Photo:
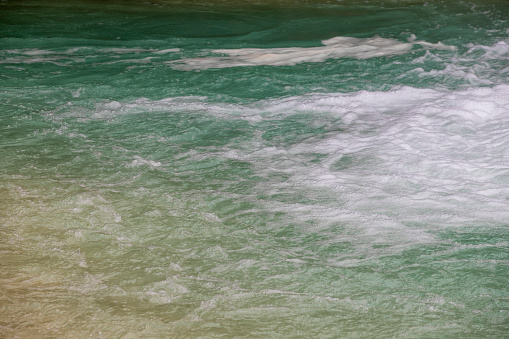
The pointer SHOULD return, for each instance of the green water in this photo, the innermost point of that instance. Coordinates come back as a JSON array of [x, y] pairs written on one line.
[[150, 190]]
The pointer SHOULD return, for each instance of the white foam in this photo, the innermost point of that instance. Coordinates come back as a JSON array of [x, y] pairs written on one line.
[[165, 51], [137, 50], [388, 160], [77, 54], [34, 60], [417, 157], [74, 50], [480, 65], [334, 48], [499, 50], [139, 161]]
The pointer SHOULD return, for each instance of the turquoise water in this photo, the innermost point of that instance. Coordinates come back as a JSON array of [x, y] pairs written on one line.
[[308, 169]]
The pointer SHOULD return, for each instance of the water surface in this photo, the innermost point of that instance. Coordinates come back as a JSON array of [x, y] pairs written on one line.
[[263, 170]]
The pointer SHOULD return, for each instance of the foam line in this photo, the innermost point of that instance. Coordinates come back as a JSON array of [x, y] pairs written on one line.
[[334, 48]]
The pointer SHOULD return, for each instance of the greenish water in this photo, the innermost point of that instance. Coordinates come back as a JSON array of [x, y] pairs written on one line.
[[242, 170]]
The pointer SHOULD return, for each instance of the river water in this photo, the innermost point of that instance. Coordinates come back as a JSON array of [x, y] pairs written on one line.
[[292, 169]]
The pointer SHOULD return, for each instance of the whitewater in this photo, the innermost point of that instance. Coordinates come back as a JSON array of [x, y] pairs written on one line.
[[254, 169]]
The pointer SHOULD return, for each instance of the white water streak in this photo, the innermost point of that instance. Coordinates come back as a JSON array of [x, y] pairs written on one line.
[[334, 48]]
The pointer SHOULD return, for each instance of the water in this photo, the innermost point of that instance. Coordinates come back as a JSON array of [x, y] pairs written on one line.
[[312, 169]]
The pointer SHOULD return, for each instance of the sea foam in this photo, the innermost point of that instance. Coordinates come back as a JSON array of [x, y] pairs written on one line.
[[377, 161], [334, 48]]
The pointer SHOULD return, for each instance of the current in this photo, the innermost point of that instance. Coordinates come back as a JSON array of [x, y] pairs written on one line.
[[254, 169]]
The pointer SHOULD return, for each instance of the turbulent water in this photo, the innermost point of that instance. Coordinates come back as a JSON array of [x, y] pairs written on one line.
[[312, 169]]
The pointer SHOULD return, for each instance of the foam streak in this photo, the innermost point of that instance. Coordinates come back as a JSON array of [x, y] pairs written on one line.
[[334, 48]]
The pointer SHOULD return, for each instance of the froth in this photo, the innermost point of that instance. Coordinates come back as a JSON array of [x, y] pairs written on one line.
[[380, 162], [480, 65], [79, 55], [405, 157], [334, 48]]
